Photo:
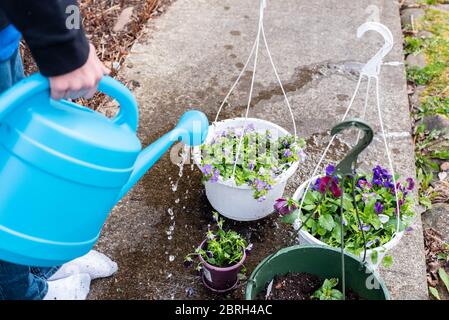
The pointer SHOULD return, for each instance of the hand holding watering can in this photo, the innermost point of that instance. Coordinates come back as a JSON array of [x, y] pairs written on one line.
[[63, 167]]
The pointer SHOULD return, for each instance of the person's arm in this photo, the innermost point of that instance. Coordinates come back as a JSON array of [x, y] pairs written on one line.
[[62, 54]]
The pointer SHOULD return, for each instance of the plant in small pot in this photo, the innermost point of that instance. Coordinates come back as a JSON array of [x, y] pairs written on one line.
[[369, 197], [221, 257], [248, 161]]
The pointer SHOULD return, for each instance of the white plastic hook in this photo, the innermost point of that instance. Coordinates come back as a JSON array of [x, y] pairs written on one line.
[[372, 67], [263, 5]]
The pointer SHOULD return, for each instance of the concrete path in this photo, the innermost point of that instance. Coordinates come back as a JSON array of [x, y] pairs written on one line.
[[188, 58]]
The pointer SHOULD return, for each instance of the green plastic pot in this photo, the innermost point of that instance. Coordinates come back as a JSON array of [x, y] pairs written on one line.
[[324, 262]]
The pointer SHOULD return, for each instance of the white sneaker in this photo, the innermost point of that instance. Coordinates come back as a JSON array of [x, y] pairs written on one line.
[[94, 263], [75, 287]]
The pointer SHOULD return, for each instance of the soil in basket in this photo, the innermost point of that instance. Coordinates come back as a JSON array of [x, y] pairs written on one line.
[[297, 286]]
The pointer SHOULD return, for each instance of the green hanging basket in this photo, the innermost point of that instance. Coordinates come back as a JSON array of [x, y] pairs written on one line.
[[324, 262]]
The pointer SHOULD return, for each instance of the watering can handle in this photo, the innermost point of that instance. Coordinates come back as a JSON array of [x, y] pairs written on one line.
[[37, 83]]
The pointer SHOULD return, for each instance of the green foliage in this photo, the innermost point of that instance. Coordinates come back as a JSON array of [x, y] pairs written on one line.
[[422, 76], [434, 293], [379, 227], [444, 277], [223, 249], [261, 160], [413, 45], [387, 261], [434, 105], [328, 291]]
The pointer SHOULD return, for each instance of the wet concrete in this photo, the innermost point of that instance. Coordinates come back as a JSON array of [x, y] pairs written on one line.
[[188, 59]]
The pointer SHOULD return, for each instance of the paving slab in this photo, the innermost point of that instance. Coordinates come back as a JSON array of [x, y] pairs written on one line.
[[188, 58]]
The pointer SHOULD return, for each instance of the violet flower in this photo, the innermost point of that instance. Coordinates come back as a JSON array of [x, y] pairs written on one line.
[[301, 155], [250, 127], [283, 207], [262, 198], [251, 165], [316, 185], [365, 227], [259, 184], [215, 176], [288, 153], [378, 207], [330, 169], [222, 133], [410, 184], [209, 254], [206, 169]]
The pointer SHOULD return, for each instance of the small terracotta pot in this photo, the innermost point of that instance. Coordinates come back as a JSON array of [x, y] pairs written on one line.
[[220, 279]]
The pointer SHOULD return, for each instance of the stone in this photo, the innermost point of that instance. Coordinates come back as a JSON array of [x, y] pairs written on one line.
[[424, 34], [444, 166], [418, 60], [411, 3], [415, 97], [436, 122], [442, 7], [407, 14], [438, 219]]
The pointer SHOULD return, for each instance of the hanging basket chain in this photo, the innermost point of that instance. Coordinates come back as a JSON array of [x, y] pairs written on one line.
[[371, 71], [255, 51]]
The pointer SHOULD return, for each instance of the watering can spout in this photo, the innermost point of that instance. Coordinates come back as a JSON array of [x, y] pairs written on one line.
[[191, 130]]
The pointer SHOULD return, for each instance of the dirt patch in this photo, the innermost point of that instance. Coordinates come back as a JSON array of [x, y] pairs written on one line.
[[437, 256], [297, 286]]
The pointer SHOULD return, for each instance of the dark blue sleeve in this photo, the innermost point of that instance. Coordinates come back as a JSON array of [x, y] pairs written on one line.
[[57, 44]]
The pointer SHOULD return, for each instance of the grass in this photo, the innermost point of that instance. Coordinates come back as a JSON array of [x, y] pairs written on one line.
[[434, 100]]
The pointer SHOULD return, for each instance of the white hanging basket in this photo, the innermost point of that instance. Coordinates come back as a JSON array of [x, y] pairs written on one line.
[[237, 202], [305, 237]]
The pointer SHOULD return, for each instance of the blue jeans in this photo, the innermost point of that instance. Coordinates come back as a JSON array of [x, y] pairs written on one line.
[[18, 282]]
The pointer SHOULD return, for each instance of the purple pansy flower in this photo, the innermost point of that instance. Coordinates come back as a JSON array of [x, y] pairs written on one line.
[[378, 207], [222, 133], [365, 227], [250, 127], [206, 169], [251, 165], [209, 254], [259, 184], [283, 207], [288, 153], [301, 155], [330, 170], [410, 184], [327, 182], [215, 176]]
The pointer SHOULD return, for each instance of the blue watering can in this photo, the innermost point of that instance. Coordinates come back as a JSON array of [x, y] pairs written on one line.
[[63, 167]]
